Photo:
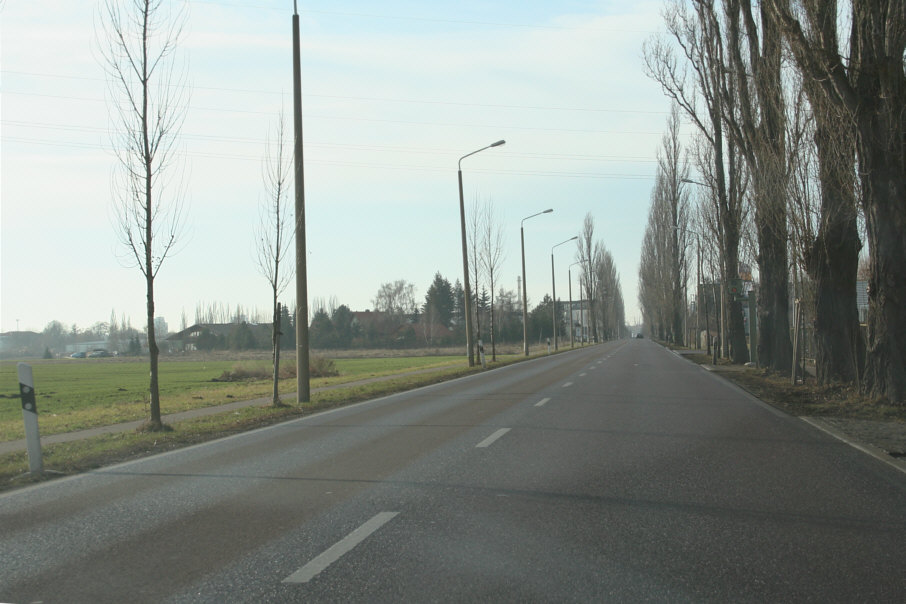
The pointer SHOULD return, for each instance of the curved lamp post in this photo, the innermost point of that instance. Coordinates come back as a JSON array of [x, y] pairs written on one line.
[[554, 288], [524, 297], [465, 256]]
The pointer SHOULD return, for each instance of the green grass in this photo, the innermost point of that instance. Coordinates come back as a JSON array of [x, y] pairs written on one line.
[[86, 454], [190, 386], [81, 393]]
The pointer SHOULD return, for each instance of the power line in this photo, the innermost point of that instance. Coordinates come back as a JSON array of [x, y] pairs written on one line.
[[356, 97], [330, 145], [416, 18], [352, 164]]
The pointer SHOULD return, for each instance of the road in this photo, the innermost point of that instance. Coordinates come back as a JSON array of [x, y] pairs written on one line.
[[612, 473]]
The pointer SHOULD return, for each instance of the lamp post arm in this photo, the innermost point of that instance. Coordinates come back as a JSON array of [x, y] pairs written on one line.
[[497, 144], [548, 211]]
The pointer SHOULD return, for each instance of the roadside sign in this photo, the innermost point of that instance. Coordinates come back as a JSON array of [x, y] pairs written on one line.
[[30, 417]]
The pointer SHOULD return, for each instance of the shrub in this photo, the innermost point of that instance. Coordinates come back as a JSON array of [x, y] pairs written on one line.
[[322, 367], [245, 371], [318, 367]]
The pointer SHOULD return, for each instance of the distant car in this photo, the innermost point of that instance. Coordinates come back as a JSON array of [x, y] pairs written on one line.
[[97, 354], [639, 335], [77, 355]]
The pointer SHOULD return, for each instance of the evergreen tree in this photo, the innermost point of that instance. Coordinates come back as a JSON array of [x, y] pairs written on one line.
[[343, 327], [440, 301], [539, 321], [321, 334]]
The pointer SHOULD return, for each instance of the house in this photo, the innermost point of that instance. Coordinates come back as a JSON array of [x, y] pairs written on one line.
[[210, 336]]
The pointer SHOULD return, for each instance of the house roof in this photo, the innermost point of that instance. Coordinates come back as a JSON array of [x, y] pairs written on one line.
[[218, 329]]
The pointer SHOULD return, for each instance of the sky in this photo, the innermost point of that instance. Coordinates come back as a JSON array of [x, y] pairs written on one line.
[[394, 93]]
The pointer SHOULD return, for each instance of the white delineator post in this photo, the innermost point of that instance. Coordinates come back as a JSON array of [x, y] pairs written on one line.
[[30, 416]]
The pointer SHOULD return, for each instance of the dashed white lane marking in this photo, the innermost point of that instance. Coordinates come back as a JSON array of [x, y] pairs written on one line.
[[541, 402], [582, 374], [567, 384], [336, 551], [490, 440]]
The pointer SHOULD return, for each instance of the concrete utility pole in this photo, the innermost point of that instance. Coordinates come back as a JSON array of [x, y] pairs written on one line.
[[554, 289], [525, 345], [302, 369]]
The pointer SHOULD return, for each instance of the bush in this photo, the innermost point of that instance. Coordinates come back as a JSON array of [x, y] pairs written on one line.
[[246, 371], [318, 367], [322, 367]]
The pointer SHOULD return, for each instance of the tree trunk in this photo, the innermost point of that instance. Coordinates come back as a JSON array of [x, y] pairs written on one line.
[[833, 260], [154, 423], [493, 339], [276, 349], [736, 330], [871, 88], [885, 218], [880, 86], [729, 221], [774, 347]]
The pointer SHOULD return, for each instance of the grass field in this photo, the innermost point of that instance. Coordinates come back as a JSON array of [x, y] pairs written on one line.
[[73, 394]]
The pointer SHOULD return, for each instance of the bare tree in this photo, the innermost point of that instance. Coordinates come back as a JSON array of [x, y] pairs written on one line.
[[824, 229], [492, 255], [397, 299], [673, 170], [475, 229], [274, 235], [663, 271], [138, 42], [755, 119], [867, 84], [610, 295], [700, 85], [585, 253]]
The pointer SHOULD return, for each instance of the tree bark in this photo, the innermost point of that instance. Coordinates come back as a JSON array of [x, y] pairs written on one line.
[[757, 125], [832, 261], [870, 88], [885, 218]]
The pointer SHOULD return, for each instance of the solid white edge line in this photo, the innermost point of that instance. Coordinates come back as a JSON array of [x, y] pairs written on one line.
[[490, 440], [336, 551], [875, 452], [542, 402]]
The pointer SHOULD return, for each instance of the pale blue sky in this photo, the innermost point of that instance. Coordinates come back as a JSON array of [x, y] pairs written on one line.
[[394, 93]]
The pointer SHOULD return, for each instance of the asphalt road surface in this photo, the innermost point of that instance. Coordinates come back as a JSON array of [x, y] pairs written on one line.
[[611, 473]]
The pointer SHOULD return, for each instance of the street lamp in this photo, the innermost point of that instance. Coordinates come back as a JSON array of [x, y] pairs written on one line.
[[524, 297], [554, 288], [465, 255], [569, 272]]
